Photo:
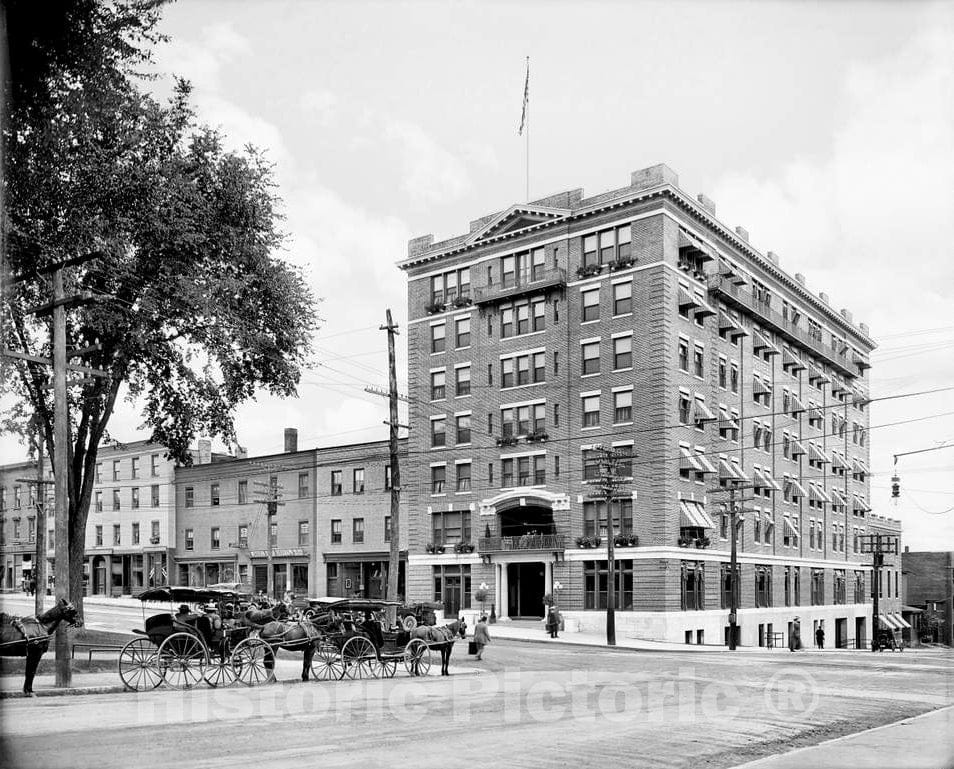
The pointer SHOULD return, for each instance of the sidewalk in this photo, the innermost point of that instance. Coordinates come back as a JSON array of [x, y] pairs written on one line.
[[523, 630], [923, 741]]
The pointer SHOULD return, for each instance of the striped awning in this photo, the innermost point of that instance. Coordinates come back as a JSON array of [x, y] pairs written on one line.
[[703, 309], [901, 620], [759, 387], [858, 466], [789, 358], [759, 342], [701, 413], [739, 472], [693, 514], [707, 466], [726, 321], [860, 505], [797, 406], [688, 460], [764, 480], [891, 621], [839, 461], [814, 412], [796, 487], [818, 493], [686, 299], [836, 498], [797, 448], [837, 385], [816, 453], [688, 240], [790, 530]]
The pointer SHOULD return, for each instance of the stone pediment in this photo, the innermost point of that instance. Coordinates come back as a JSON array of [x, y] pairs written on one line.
[[515, 218]]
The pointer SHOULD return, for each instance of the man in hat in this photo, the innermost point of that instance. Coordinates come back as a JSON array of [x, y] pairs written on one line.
[[185, 615], [795, 637]]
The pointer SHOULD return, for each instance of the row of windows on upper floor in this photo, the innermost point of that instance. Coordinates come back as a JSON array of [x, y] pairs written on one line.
[[242, 494], [613, 246], [303, 534], [134, 530], [155, 461]]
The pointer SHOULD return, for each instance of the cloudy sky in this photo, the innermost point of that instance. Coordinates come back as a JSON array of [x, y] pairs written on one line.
[[826, 129]]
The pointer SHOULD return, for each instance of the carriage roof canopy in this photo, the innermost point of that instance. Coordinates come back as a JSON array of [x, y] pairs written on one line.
[[174, 594]]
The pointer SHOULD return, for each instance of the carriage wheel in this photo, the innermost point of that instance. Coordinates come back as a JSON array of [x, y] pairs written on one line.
[[326, 665], [182, 660], [139, 665], [417, 658], [220, 672], [385, 668], [253, 661], [359, 658]]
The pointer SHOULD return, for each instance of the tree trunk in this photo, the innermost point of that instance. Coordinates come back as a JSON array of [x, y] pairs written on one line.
[[77, 556]]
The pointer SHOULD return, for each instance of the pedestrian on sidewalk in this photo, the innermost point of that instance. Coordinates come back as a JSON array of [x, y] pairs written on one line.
[[820, 636], [795, 637], [553, 622], [481, 635]]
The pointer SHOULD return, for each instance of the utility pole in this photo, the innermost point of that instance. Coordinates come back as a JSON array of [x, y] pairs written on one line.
[[734, 580], [895, 478], [878, 545], [394, 554], [608, 487], [270, 497]]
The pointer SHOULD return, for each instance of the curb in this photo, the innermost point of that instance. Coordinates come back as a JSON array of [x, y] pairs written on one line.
[[72, 692]]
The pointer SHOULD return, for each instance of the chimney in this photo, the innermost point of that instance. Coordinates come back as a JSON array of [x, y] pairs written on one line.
[[742, 233], [799, 278], [291, 440], [204, 452], [241, 452], [772, 257], [846, 314], [707, 203], [823, 296], [653, 176], [417, 246]]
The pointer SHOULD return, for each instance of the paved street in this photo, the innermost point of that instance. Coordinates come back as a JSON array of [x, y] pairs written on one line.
[[536, 704]]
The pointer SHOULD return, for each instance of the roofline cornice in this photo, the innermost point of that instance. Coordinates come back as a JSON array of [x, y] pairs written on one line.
[[691, 207]]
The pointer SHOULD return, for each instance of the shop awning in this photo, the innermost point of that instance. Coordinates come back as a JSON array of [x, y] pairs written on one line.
[[694, 515], [816, 453], [900, 620], [369, 557], [888, 621]]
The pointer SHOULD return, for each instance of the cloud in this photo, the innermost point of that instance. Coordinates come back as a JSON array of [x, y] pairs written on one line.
[[319, 105], [430, 173], [871, 225]]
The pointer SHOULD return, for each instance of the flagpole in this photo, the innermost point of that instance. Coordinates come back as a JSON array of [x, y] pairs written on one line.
[[528, 131]]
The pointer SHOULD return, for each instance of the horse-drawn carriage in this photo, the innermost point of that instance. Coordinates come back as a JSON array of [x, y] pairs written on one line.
[[359, 642], [213, 645]]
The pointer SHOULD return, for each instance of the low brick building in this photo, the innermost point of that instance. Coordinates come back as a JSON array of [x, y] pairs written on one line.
[[929, 585]]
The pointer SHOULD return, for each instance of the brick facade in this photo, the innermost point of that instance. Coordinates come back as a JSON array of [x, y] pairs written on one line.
[[677, 275]]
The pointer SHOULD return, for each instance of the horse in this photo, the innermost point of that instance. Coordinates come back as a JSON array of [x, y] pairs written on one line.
[[440, 638], [279, 632], [30, 636]]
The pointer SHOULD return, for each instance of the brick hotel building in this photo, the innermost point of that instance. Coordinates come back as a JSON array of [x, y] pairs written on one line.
[[634, 319]]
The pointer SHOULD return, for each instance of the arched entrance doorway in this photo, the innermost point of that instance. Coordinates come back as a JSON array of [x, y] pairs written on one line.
[[524, 548]]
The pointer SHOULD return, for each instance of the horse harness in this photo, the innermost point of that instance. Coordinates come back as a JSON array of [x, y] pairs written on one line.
[[31, 629]]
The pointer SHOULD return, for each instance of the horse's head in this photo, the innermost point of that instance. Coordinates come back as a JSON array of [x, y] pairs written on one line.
[[64, 611], [462, 628]]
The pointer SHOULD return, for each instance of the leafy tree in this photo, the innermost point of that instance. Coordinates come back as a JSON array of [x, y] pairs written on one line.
[[189, 304]]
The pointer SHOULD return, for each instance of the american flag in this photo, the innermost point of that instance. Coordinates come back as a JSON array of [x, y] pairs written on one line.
[[526, 100]]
